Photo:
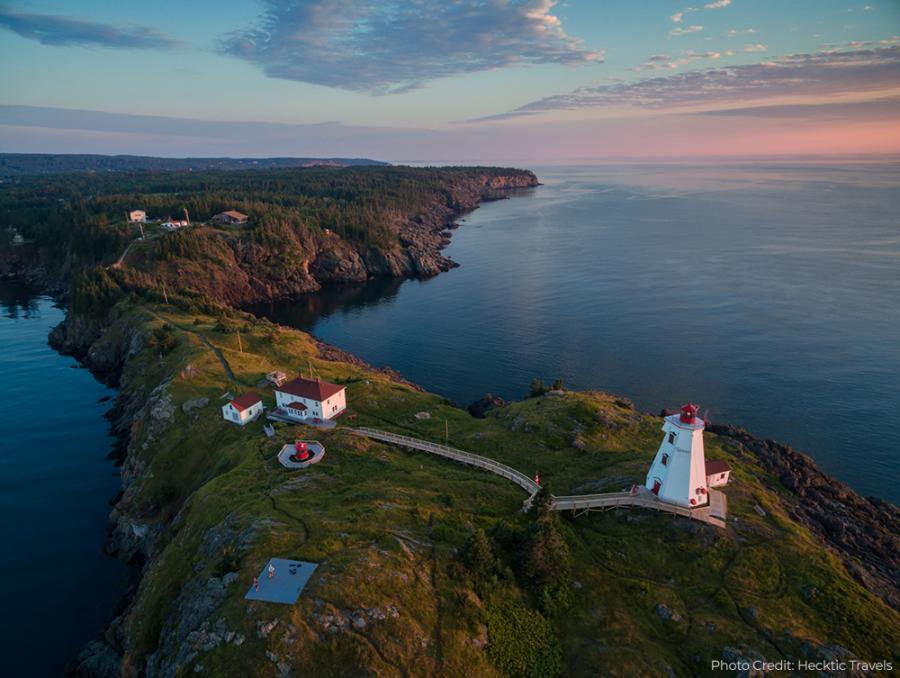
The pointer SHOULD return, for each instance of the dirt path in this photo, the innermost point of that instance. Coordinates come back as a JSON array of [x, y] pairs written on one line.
[[220, 356]]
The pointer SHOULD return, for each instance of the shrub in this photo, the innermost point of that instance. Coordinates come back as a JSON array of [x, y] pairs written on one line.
[[522, 643], [94, 293], [478, 556], [537, 388], [163, 340], [547, 565]]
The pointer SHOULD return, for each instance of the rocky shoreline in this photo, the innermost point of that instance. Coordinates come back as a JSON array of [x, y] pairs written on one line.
[[863, 531], [240, 271]]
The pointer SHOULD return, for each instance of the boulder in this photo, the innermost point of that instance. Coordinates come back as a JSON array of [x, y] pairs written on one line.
[[482, 406]]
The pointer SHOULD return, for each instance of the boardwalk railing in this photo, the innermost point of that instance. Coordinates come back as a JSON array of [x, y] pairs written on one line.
[[577, 503], [496, 467]]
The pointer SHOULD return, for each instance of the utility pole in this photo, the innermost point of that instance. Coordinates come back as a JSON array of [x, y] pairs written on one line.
[[165, 295], [446, 432], [240, 345]]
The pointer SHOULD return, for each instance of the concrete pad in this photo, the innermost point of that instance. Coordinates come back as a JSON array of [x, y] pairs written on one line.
[[287, 583], [316, 449]]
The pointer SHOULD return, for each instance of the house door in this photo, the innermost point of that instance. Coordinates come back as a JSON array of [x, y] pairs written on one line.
[[656, 486]]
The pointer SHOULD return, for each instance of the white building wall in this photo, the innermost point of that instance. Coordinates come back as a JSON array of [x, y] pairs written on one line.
[[231, 413], [685, 470], [332, 406], [718, 479]]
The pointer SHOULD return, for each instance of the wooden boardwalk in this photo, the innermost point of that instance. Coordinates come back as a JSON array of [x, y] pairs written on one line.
[[714, 514], [478, 461]]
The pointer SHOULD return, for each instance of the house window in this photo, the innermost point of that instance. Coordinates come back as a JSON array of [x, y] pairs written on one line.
[[672, 438], [665, 459]]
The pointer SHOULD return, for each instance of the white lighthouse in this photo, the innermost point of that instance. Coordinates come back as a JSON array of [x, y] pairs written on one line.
[[678, 472]]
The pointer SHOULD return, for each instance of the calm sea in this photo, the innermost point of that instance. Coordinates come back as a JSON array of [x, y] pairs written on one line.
[[767, 293], [57, 590]]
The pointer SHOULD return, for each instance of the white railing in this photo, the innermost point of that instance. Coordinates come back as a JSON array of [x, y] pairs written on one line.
[[461, 456]]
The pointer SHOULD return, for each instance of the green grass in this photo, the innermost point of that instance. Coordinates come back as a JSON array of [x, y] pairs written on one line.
[[386, 527]]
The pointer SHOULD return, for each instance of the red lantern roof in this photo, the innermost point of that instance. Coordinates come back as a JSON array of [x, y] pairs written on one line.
[[689, 413]]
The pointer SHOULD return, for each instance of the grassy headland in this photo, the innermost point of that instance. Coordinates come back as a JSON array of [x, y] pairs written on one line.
[[400, 589], [425, 567]]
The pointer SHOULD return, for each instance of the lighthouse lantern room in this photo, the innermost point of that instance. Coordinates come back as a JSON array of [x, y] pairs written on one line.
[[678, 472]]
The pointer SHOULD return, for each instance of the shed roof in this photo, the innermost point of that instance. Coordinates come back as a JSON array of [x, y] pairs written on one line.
[[716, 466], [249, 399], [313, 389]]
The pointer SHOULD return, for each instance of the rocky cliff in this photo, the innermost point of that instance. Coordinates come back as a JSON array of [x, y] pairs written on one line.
[[239, 270]]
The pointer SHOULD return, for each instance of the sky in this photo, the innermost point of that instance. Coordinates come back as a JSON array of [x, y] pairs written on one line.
[[451, 80]]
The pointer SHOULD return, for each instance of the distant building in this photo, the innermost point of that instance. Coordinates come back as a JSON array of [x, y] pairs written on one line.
[[678, 474], [137, 217], [230, 217], [718, 473], [243, 409], [174, 224], [276, 378], [304, 398]]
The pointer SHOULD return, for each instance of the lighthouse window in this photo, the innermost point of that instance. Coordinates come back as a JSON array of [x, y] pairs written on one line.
[[665, 459], [672, 438]]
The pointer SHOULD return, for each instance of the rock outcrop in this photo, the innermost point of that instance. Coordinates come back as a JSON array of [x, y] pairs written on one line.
[[862, 531]]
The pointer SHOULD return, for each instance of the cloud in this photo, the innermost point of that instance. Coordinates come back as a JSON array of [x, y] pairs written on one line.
[[50, 29], [659, 62], [758, 47], [390, 47], [821, 74], [886, 109], [685, 31], [734, 32], [678, 17]]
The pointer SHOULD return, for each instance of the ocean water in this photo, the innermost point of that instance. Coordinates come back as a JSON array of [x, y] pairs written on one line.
[[57, 589], [767, 293]]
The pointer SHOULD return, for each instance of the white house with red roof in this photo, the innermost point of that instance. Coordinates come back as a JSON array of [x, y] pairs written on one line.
[[243, 409], [303, 398]]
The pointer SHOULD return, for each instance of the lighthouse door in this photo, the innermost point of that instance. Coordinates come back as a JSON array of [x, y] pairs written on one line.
[[656, 486]]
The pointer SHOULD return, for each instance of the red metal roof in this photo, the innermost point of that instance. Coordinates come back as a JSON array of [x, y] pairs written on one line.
[[234, 214], [311, 389], [716, 466], [296, 406], [688, 413], [249, 399]]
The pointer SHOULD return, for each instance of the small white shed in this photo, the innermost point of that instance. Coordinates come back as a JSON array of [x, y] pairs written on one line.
[[718, 473], [243, 409]]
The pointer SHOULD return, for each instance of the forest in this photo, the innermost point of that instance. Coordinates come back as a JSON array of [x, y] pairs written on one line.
[[82, 217]]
